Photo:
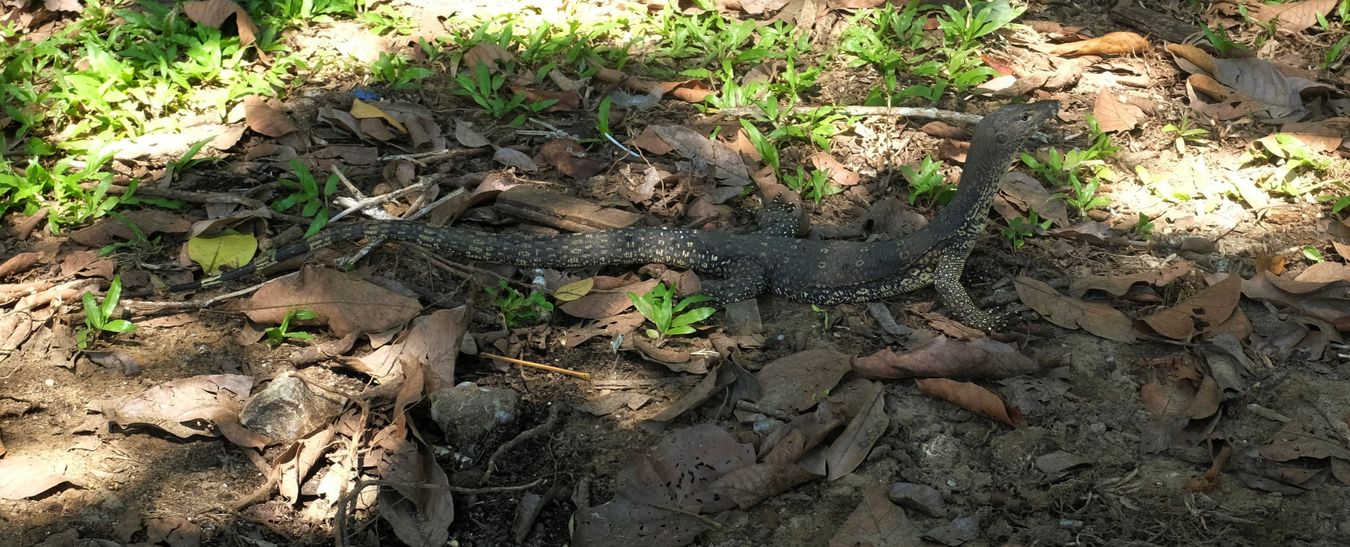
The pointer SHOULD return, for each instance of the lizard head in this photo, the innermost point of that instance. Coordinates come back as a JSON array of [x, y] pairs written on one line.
[[1011, 125]]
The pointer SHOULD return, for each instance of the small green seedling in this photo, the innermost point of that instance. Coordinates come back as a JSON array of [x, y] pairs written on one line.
[[1185, 132], [825, 322], [515, 308], [669, 317], [306, 194], [815, 184], [928, 183], [281, 333], [1312, 254], [1144, 228], [397, 72], [98, 316], [1082, 196], [484, 88], [1024, 227]]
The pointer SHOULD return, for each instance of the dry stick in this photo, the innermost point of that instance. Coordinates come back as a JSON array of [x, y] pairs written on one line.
[[582, 375], [344, 503], [549, 423]]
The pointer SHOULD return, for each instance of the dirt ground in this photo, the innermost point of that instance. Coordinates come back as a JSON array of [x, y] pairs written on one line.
[[1091, 465]]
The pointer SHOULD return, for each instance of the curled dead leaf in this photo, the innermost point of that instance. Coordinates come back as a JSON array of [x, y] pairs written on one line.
[[974, 398]]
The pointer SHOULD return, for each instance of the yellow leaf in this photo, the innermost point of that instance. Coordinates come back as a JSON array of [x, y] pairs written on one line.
[[362, 110], [574, 290], [231, 249]]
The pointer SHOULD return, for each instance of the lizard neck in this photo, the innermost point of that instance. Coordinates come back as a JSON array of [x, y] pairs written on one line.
[[986, 162]]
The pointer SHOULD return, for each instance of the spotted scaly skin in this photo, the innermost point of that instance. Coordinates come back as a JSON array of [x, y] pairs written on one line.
[[815, 271]]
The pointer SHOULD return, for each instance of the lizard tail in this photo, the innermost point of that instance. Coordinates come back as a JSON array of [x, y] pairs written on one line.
[[676, 247]]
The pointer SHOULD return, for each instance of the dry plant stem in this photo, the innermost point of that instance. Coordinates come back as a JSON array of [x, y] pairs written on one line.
[[344, 503], [549, 424], [582, 375], [897, 111]]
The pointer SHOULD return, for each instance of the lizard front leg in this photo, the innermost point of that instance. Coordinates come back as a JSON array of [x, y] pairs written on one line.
[[947, 281]]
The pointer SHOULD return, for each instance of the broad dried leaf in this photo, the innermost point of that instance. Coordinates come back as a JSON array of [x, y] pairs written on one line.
[[754, 483], [1251, 77], [1178, 389], [418, 506], [720, 160], [265, 118], [1099, 319], [681, 469], [511, 157], [25, 477], [1114, 43], [487, 53], [346, 304], [1028, 194], [866, 428], [943, 357], [432, 341], [568, 157], [1324, 272], [296, 468], [625, 523], [1297, 440], [839, 173], [1202, 312], [465, 135], [798, 381], [149, 221], [213, 13], [1327, 301], [877, 522], [363, 110], [789, 443], [601, 304], [1292, 16], [712, 383], [1114, 115], [1119, 285], [171, 406], [1322, 135], [975, 399]]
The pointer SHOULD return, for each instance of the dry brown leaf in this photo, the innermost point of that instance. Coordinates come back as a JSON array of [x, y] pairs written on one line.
[[265, 118], [1119, 285], [465, 135], [1114, 43], [789, 443], [27, 476], [296, 463], [839, 173], [863, 431], [723, 163], [754, 483], [603, 303], [432, 341], [213, 13], [1200, 313], [1322, 135], [1099, 319], [569, 158], [1114, 115], [796, 382], [1252, 78], [1325, 301], [1177, 389], [975, 399], [877, 522], [942, 357], [567, 101], [1292, 16], [417, 504], [346, 304], [173, 405], [511, 157], [1024, 193], [1324, 272], [487, 53]]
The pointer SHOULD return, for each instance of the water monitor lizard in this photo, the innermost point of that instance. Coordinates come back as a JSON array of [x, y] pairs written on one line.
[[816, 271]]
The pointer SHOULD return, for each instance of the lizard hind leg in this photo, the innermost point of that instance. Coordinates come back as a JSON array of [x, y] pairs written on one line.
[[742, 281]]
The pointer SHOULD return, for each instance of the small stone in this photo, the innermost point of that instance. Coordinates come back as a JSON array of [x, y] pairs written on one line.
[[918, 497], [467, 413], [287, 409]]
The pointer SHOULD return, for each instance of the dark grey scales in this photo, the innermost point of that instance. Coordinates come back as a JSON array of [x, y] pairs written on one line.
[[820, 272]]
